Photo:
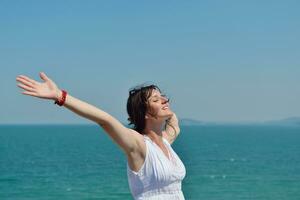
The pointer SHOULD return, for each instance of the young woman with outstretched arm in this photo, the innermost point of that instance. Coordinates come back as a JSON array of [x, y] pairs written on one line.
[[154, 170]]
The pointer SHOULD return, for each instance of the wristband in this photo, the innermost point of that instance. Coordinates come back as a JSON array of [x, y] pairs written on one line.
[[61, 101]]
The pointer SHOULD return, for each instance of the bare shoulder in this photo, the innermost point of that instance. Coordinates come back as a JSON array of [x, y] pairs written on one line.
[[171, 135], [167, 137]]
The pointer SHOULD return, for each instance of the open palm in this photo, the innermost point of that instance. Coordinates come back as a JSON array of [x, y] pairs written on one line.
[[45, 90]]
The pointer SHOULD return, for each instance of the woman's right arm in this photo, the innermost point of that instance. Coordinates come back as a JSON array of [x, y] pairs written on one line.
[[127, 139]]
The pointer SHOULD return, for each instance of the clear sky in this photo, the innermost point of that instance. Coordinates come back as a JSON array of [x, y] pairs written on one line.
[[220, 61]]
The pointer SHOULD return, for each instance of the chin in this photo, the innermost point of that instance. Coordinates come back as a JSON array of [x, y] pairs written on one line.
[[167, 116]]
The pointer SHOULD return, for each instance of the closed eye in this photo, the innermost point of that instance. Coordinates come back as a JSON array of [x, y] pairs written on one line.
[[157, 98]]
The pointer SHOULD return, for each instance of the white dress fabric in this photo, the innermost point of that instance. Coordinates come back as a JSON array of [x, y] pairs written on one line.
[[159, 178]]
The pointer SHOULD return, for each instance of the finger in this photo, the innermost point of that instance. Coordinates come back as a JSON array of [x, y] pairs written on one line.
[[43, 76], [25, 82], [26, 88], [30, 93], [27, 79]]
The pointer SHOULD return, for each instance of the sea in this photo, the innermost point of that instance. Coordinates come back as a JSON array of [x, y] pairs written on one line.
[[223, 162]]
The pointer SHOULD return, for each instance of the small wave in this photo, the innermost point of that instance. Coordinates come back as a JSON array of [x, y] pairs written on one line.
[[8, 180], [213, 176]]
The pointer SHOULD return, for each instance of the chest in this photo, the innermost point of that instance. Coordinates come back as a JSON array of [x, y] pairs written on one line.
[[162, 167]]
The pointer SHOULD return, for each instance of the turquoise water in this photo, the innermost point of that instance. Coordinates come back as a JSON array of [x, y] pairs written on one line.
[[81, 162]]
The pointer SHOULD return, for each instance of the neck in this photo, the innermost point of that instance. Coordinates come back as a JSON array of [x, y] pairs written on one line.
[[154, 131]]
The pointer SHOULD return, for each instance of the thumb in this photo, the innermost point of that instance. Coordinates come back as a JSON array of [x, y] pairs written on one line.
[[43, 76]]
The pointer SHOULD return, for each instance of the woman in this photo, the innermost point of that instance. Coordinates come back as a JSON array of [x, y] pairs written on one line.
[[154, 170]]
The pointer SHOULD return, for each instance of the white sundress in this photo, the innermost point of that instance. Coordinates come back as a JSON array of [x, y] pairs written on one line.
[[159, 178]]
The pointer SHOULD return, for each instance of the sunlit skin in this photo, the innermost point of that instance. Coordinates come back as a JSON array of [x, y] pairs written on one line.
[[159, 111], [130, 141]]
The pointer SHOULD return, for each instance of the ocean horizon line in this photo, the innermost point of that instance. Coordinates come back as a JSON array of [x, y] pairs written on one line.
[[182, 121]]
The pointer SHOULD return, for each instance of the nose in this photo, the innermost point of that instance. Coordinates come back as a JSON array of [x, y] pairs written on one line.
[[165, 99]]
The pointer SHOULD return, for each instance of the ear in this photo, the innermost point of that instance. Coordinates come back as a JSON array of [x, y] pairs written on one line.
[[147, 116], [150, 116]]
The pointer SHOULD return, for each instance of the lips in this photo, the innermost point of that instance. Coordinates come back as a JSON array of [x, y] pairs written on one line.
[[165, 107]]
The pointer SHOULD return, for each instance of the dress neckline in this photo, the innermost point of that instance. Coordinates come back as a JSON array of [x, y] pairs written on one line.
[[168, 150]]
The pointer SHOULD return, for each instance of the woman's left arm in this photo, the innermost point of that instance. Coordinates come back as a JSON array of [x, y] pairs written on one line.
[[172, 129]]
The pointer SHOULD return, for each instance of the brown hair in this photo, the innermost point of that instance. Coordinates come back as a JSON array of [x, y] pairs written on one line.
[[137, 105]]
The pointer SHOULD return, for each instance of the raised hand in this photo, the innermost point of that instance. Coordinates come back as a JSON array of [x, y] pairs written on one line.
[[45, 90]]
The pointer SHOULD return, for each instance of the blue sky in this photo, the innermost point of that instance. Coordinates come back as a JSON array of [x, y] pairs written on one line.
[[221, 61]]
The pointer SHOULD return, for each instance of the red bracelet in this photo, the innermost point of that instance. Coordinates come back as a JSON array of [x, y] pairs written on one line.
[[61, 101]]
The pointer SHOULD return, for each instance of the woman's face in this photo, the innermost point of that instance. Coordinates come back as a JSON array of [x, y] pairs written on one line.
[[158, 106]]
